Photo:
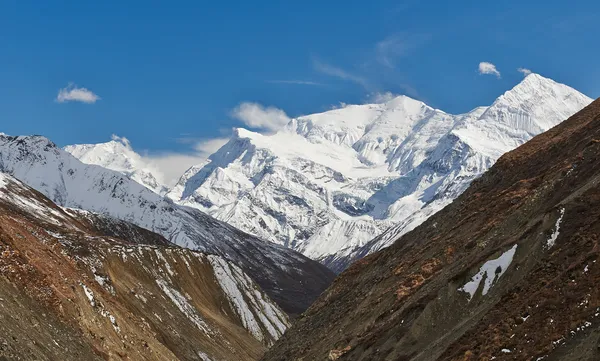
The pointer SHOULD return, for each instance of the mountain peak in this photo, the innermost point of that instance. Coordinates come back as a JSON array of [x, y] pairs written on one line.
[[401, 99], [245, 133], [118, 155], [542, 98], [536, 84]]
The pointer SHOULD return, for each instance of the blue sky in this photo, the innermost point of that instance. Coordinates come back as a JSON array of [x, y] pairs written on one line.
[[169, 74]]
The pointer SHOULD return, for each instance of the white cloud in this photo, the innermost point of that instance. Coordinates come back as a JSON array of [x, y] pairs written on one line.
[[171, 166], [334, 71], [255, 115], [75, 94], [488, 68], [524, 71]]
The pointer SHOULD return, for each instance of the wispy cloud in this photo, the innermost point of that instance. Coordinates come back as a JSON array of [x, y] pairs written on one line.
[[256, 115], [74, 94], [393, 47], [340, 73], [295, 82], [488, 68], [380, 65], [524, 71]]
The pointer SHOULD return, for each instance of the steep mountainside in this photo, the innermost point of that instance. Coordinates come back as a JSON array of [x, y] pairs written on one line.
[[70, 292], [328, 183], [291, 279], [508, 271]]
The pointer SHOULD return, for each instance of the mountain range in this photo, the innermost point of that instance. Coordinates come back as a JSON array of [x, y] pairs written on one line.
[[342, 184]]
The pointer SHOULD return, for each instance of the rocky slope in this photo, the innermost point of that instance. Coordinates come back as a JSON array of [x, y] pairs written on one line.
[[291, 279], [69, 291], [508, 271], [328, 183]]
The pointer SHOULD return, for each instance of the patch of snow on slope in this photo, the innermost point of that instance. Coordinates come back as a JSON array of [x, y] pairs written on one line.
[[89, 294], [491, 270], [203, 356], [554, 236]]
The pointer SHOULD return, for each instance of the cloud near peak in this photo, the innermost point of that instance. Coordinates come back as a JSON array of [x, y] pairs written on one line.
[[72, 93], [121, 140], [524, 71], [486, 68], [255, 115]]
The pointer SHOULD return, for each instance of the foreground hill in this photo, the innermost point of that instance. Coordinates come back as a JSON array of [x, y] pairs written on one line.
[[508, 271], [69, 290]]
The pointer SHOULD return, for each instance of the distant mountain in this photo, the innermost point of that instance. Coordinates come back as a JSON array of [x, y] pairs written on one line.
[[290, 279], [118, 155], [78, 285], [329, 183], [508, 271]]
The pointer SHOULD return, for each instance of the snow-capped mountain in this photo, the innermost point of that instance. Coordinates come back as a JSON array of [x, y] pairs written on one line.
[[118, 155], [469, 149], [281, 272], [329, 183]]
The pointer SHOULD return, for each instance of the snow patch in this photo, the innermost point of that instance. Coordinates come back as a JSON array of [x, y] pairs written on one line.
[[552, 240], [491, 270], [203, 356], [89, 294]]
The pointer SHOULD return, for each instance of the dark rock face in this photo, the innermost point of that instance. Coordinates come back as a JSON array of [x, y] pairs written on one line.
[[351, 205], [508, 271]]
